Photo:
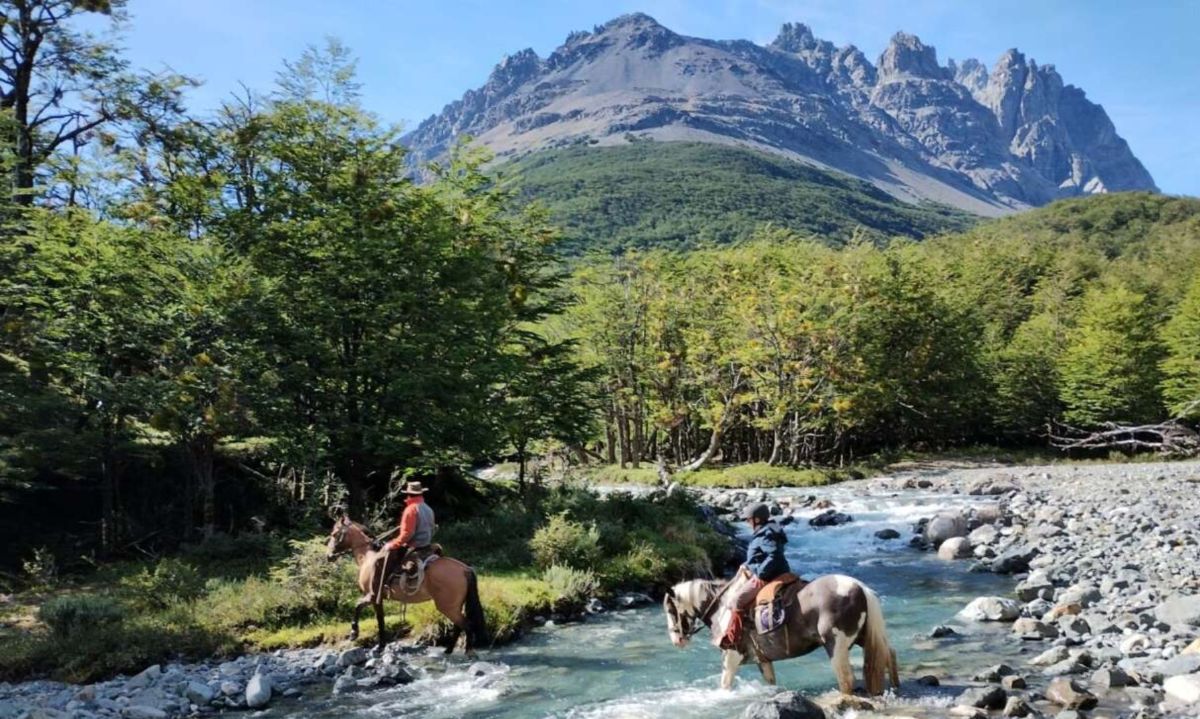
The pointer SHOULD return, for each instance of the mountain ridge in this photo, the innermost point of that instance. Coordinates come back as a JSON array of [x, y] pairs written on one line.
[[984, 141]]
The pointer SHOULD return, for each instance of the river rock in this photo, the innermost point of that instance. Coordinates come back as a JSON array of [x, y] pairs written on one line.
[[788, 705], [1113, 678], [983, 535], [138, 711], [199, 693], [954, 548], [942, 631], [1085, 595], [1180, 610], [1013, 682], [1193, 648], [1014, 561], [145, 677], [258, 691], [345, 683], [1068, 694], [943, 527], [1017, 707], [991, 609], [1053, 655], [993, 487], [994, 673], [1028, 628], [830, 518], [352, 657], [1135, 644], [888, 533], [1184, 688], [1182, 664]]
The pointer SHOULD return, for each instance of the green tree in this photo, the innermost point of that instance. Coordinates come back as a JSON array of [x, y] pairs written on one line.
[[1181, 366], [1109, 369]]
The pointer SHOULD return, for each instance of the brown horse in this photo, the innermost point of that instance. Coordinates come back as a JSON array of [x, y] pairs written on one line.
[[833, 611], [449, 583]]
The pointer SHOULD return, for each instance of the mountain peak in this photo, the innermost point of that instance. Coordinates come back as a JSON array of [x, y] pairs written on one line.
[[794, 37], [986, 142], [907, 55]]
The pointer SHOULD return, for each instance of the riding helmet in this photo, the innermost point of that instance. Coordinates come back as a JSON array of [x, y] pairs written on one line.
[[760, 511]]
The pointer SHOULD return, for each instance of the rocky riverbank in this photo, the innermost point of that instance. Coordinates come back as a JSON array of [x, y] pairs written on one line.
[[1105, 561]]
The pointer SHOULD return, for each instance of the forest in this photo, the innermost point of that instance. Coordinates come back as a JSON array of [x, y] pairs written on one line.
[[230, 323]]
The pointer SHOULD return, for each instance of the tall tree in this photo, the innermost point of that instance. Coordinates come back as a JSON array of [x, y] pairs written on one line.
[[1181, 366], [54, 81]]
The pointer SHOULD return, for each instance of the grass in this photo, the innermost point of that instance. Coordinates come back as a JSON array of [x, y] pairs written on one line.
[[259, 593]]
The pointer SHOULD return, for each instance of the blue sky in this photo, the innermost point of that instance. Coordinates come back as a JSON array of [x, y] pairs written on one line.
[[1140, 60]]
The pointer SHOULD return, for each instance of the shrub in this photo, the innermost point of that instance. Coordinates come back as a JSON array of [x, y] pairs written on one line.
[[81, 613], [498, 540], [318, 584], [566, 542], [172, 581], [641, 566], [41, 569], [570, 587]]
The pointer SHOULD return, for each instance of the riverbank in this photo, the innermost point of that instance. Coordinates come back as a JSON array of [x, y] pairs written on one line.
[[1106, 600], [1053, 518], [554, 556]]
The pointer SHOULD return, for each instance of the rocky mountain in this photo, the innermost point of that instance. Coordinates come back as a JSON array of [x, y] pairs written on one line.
[[984, 141]]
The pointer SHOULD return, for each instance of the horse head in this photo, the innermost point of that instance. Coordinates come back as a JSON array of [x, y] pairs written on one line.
[[337, 544], [683, 605]]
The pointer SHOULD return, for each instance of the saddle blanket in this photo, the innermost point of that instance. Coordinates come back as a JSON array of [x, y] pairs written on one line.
[[772, 602]]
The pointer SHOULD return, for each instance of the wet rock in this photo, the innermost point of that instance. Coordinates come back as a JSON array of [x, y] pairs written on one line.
[[954, 548], [1184, 688], [345, 683], [138, 711], [1068, 694], [967, 711], [1053, 655], [941, 631], [788, 705], [352, 657], [929, 680], [993, 674], [1028, 628], [1017, 707], [633, 599], [1013, 682], [945, 526], [258, 691], [1014, 561], [983, 535], [1071, 665], [1114, 678], [991, 609], [983, 697], [594, 606], [888, 533], [830, 518]]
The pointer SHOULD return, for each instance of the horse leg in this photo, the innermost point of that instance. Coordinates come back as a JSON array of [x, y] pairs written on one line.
[[730, 661], [837, 646], [768, 672], [382, 629], [357, 613], [455, 615]]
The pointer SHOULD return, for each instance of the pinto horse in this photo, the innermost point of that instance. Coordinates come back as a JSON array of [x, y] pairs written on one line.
[[833, 611], [449, 583]]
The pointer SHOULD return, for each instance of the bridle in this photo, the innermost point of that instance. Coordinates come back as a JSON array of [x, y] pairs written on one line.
[[343, 527], [688, 629]]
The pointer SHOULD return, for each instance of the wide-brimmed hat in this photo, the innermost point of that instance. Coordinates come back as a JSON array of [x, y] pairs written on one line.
[[415, 488]]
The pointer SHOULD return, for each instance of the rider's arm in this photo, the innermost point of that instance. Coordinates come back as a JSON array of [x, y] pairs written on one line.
[[761, 550], [408, 527]]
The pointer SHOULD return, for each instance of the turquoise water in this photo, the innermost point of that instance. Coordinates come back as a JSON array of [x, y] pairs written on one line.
[[621, 664]]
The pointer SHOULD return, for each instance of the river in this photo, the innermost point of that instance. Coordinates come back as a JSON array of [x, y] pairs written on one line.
[[621, 664]]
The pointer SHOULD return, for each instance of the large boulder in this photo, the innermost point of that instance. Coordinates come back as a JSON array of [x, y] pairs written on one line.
[[955, 548], [991, 609], [352, 657], [1015, 560], [788, 705], [1180, 610], [258, 691], [943, 527]]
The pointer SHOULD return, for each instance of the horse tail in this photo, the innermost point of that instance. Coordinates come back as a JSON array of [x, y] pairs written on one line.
[[879, 659], [477, 633]]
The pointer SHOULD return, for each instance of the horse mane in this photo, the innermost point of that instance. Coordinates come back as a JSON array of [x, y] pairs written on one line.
[[689, 593]]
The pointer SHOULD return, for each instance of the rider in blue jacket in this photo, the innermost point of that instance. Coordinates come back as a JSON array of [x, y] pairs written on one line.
[[764, 561]]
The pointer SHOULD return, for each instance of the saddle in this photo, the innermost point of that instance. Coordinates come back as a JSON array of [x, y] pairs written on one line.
[[772, 602], [410, 567]]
